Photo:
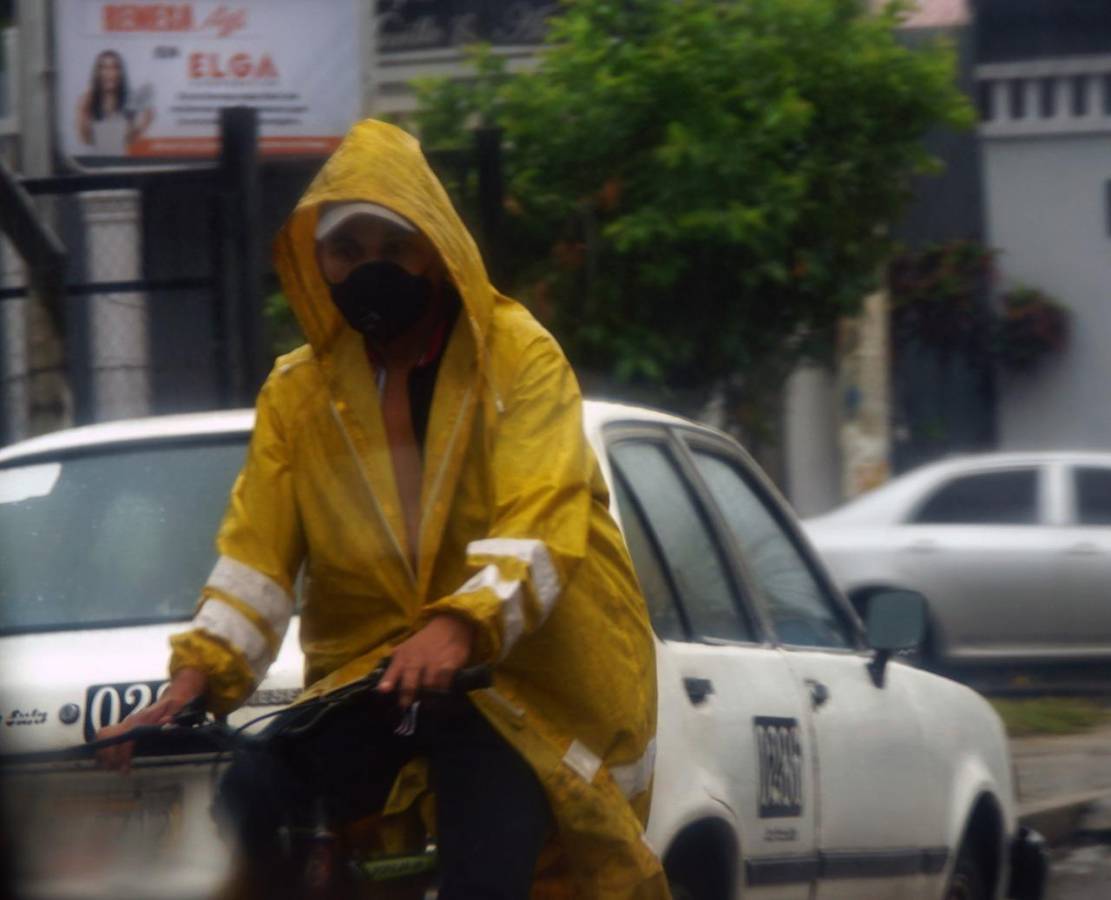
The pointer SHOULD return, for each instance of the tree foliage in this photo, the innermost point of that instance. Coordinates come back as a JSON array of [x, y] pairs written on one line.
[[697, 187]]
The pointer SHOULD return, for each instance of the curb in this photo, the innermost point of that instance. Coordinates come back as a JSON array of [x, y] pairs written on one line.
[[1056, 819]]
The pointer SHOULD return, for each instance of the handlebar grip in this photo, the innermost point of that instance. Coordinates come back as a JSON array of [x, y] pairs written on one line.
[[473, 678], [192, 713]]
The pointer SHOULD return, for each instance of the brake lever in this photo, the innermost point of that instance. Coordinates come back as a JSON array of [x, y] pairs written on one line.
[[191, 714]]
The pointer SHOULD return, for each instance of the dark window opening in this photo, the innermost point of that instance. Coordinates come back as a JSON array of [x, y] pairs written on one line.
[[1017, 98], [990, 498], [985, 95], [1079, 94], [1093, 496], [1047, 98]]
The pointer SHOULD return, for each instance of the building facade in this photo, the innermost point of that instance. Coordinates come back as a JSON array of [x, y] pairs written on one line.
[[1044, 87]]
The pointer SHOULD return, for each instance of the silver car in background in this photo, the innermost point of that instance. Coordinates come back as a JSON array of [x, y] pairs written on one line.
[[1012, 552]]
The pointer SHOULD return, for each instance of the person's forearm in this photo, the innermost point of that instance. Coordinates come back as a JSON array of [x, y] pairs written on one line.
[[187, 684]]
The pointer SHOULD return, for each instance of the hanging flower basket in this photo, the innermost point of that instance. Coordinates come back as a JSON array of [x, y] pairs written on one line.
[[937, 295], [1031, 327]]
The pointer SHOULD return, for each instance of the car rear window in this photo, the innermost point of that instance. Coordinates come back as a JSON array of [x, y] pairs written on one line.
[[112, 537], [1093, 496]]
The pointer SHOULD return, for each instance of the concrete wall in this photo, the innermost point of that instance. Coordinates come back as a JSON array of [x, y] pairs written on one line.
[[1048, 212], [812, 449]]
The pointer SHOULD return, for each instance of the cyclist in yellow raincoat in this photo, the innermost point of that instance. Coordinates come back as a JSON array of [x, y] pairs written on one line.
[[501, 527]]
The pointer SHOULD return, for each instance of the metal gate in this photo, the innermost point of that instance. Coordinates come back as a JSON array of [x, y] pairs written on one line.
[[167, 314]]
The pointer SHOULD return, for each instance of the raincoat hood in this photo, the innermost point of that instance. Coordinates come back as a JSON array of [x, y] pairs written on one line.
[[377, 163]]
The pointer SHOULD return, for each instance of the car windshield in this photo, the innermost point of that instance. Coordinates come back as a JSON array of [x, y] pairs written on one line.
[[111, 537]]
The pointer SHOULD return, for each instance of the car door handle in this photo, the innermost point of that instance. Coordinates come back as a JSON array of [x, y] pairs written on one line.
[[819, 693], [698, 689], [1084, 548], [923, 546]]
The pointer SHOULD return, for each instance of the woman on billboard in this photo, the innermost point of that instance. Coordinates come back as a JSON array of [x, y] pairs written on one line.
[[109, 117]]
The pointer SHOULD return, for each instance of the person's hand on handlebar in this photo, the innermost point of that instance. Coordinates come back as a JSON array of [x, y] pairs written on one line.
[[429, 659], [187, 685]]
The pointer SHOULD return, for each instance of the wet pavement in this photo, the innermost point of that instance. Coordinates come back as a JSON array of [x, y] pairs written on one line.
[[1081, 873], [1050, 767], [1063, 765]]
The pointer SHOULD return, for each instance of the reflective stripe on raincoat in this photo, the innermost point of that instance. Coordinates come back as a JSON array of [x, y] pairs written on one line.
[[515, 535]]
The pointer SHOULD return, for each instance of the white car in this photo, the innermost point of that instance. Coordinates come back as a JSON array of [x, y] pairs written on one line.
[[793, 762], [1012, 552]]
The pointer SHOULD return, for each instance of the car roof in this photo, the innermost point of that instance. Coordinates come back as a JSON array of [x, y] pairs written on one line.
[[890, 501], [596, 415]]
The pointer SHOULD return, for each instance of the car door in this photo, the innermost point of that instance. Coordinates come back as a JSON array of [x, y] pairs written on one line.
[[1082, 620], [979, 548], [732, 736], [874, 807]]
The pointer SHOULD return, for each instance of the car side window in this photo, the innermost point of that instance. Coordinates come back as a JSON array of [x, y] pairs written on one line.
[[801, 609], [986, 498], [690, 552], [1093, 495], [653, 581]]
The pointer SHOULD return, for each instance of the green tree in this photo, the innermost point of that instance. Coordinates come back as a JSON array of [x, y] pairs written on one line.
[[700, 189]]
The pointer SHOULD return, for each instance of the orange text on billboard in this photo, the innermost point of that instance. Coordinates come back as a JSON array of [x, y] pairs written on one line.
[[148, 17], [238, 66], [159, 18]]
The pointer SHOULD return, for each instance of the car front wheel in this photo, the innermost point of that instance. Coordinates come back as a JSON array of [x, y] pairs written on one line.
[[969, 881]]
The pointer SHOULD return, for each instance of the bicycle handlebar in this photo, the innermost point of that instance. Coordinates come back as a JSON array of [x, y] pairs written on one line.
[[190, 727]]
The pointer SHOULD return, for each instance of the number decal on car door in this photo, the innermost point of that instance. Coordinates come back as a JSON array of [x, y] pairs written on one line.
[[780, 751], [107, 704]]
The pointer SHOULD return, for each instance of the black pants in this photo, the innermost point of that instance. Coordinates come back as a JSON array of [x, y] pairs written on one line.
[[492, 814]]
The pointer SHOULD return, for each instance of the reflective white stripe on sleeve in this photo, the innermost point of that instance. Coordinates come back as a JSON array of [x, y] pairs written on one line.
[[545, 579], [222, 621], [633, 778], [512, 600], [262, 593], [582, 760]]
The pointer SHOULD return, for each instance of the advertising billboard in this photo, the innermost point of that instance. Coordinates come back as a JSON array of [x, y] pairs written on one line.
[[148, 80]]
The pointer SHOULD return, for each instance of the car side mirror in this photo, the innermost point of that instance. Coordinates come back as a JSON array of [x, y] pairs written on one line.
[[896, 621]]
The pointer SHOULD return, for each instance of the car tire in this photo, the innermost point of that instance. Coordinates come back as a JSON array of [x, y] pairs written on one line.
[[680, 891], [969, 881], [696, 870]]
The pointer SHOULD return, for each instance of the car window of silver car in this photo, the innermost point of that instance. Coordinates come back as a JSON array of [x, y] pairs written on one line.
[[802, 612], [1093, 495], [690, 553], [121, 536], [1006, 497]]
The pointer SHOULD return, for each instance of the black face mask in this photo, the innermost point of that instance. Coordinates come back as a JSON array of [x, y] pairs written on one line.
[[381, 300]]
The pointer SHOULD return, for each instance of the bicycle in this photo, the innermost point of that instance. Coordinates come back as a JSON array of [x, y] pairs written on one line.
[[325, 866]]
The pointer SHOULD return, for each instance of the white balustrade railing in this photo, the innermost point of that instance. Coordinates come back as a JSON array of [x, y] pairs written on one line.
[[1045, 97]]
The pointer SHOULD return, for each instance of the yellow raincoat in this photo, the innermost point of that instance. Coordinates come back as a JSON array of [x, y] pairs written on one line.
[[515, 535]]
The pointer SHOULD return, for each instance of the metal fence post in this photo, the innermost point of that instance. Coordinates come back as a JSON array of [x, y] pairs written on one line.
[[241, 257]]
